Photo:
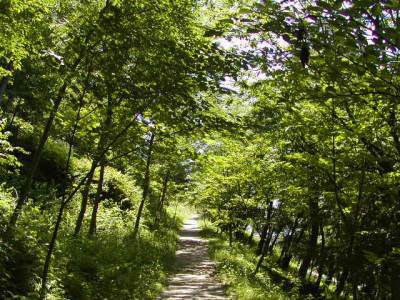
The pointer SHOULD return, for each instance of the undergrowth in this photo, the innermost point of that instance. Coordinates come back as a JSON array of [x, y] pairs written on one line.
[[235, 266], [111, 265]]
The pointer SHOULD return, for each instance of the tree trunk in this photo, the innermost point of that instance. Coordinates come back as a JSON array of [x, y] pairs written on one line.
[[85, 197], [263, 236], [261, 259], [346, 269], [312, 243], [146, 186], [89, 175], [351, 229], [50, 250], [271, 247], [162, 199], [342, 281], [93, 220], [26, 190], [267, 239], [230, 234], [321, 257], [64, 203], [331, 270], [102, 143], [288, 241], [13, 115], [266, 230], [35, 161]]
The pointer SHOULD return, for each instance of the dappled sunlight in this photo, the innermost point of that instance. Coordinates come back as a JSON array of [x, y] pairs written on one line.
[[194, 277]]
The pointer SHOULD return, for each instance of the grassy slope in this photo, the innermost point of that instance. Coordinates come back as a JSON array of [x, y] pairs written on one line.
[[108, 266], [235, 267]]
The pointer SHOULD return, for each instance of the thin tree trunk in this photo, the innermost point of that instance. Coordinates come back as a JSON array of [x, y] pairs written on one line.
[[263, 236], [261, 259], [352, 229], [271, 247], [102, 143], [38, 153], [230, 234], [321, 257], [35, 161], [267, 240], [85, 197], [146, 186], [50, 250], [312, 243], [90, 173], [265, 230], [288, 241], [342, 281], [164, 191], [53, 240], [331, 270], [162, 199], [93, 220]]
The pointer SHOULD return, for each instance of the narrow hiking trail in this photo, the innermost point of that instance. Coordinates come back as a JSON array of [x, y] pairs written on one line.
[[194, 276]]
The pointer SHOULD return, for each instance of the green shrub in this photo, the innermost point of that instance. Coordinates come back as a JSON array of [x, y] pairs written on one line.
[[53, 159], [113, 265], [236, 265], [21, 256]]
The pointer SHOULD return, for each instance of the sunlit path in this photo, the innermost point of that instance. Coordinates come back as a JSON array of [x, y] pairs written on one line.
[[194, 277]]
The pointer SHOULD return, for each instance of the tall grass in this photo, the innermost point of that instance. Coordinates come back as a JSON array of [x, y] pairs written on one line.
[[235, 266]]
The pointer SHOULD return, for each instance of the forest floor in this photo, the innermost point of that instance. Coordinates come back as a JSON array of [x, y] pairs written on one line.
[[195, 274]]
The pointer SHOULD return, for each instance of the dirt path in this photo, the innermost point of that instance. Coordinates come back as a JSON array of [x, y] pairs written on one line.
[[194, 276]]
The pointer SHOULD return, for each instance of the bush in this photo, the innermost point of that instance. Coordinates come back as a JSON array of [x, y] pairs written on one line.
[[54, 157], [236, 265], [21, 256], [113, 265]]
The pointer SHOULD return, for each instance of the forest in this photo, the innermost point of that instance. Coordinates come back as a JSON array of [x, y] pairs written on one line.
[[275, 120]]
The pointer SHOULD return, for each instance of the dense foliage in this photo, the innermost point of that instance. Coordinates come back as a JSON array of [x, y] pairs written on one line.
[[315, 170], [99, 100], [278, 119]]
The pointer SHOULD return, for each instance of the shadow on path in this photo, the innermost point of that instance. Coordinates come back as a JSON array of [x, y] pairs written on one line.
[[194, 271]]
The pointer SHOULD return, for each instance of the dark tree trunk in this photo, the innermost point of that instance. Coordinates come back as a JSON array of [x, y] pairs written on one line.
[[103, 142], [312, 242], [13, 115], [287, 243], [263, 236], [63, 204], [342, 281], [230, 234], [146, 186], [351, 226], [162, 199], [265, 230], [26, 190], [85, 197], [36, 158], [321, 259], [164, 192], [93, 220], [267, 239], [50, 250], [346, 269], [331, 270], [271, 247]]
